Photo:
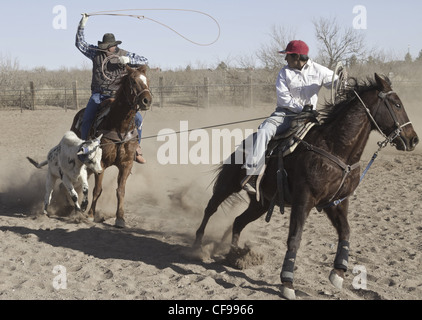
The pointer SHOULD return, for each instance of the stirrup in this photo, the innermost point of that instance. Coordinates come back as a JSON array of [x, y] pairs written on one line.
[[249, 184]]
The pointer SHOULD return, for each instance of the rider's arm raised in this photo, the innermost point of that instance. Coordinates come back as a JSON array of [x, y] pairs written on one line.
[[87, 49]]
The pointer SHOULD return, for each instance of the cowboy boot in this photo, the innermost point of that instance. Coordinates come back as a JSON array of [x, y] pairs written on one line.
[[249, 184], [138, 156]]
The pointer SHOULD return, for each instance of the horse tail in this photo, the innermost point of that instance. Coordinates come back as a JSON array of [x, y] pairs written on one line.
[[77, 122], [36, 164], [227, 181]]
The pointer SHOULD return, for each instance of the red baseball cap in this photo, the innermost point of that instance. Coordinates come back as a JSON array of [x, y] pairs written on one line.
[[296, 46]]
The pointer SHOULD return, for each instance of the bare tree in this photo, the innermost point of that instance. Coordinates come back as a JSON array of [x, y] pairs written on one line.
[[8, 70], [279, 38], [336, 43], [246, 61]]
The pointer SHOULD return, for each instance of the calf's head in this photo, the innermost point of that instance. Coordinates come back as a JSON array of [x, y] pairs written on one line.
[[90, 154]]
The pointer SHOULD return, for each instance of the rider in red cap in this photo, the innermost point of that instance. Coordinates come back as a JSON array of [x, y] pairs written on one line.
[[297, 87], [296, 47]]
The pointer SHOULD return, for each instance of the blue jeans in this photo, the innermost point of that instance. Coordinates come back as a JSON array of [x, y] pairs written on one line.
[[91, 111], [279, 121]]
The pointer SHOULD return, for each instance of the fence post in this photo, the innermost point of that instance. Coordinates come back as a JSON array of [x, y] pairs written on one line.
[[32, 89], [160, 91], [198, 104], [249, 102], [206, 92], [20, 100], [65, 99], [75, 94]]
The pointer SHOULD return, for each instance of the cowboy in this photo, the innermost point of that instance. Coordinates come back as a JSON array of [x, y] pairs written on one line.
[[104, 87], [297, 88]]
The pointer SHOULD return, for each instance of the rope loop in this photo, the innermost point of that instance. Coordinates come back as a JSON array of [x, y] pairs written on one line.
[[143, 17]]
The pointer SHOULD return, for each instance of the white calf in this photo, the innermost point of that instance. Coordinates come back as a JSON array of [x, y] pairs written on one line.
[[69, 161]]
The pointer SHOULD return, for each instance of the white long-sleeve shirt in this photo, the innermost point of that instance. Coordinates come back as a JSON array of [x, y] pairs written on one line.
[[297, 88]]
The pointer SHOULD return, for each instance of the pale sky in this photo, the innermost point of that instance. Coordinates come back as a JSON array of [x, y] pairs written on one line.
[[29, 35]]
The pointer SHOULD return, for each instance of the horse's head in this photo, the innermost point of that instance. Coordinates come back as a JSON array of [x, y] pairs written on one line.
[[389, 114], [139, 87]]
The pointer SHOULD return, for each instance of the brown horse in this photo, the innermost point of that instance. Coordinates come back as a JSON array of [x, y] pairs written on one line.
[[120, 138], [323, 168]]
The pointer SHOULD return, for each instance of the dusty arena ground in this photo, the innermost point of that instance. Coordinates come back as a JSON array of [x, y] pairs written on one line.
[[152, 257]]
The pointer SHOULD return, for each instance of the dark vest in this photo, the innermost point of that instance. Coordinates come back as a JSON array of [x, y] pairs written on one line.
[[113, 70]]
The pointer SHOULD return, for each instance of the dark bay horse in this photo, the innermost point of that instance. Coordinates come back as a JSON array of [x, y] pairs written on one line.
[[316, 177], [120, 138]]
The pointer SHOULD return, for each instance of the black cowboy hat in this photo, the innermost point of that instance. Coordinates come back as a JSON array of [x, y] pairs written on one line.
[[108, 41]]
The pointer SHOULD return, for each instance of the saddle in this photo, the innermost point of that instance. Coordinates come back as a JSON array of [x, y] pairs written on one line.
[[279, 147], [102, 113]]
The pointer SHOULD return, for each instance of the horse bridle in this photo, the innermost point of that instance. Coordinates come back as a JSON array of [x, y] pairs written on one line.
[[137, 96], [398, 127]]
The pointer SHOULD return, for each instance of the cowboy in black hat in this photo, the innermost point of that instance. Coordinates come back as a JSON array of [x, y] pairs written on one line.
[[104, 86], [109, 41]]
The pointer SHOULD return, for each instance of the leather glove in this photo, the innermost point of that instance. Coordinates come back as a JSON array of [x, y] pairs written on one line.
[[84, 19], [307, 108], [309, 111], [124, 60]]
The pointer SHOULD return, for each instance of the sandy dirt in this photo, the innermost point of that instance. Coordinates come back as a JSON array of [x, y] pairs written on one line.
[[152, 257]]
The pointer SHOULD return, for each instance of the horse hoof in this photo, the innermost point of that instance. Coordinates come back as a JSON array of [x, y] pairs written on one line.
[[120, 223], [336, 280], [288, 292]]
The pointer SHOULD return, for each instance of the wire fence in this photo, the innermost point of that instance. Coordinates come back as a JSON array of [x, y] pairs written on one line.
[[199, 96]]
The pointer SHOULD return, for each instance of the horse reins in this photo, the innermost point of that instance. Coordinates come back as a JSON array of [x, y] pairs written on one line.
[[395, 133], [381, 144], [136, 108]]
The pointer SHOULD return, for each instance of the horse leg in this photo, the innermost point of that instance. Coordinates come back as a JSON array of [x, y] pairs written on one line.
[[120, 192], [216, 200], [253, 212], [299, 213], [338, 217], [98, 188]]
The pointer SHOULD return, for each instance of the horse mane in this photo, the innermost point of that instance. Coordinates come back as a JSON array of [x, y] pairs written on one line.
[[330, 111]]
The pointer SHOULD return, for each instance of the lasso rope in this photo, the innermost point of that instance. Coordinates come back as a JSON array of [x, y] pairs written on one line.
[[189, 130], [203, 128], [143, 17]]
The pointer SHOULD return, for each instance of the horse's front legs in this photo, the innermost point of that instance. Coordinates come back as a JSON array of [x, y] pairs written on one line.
[[338, 217], [120, 192]]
